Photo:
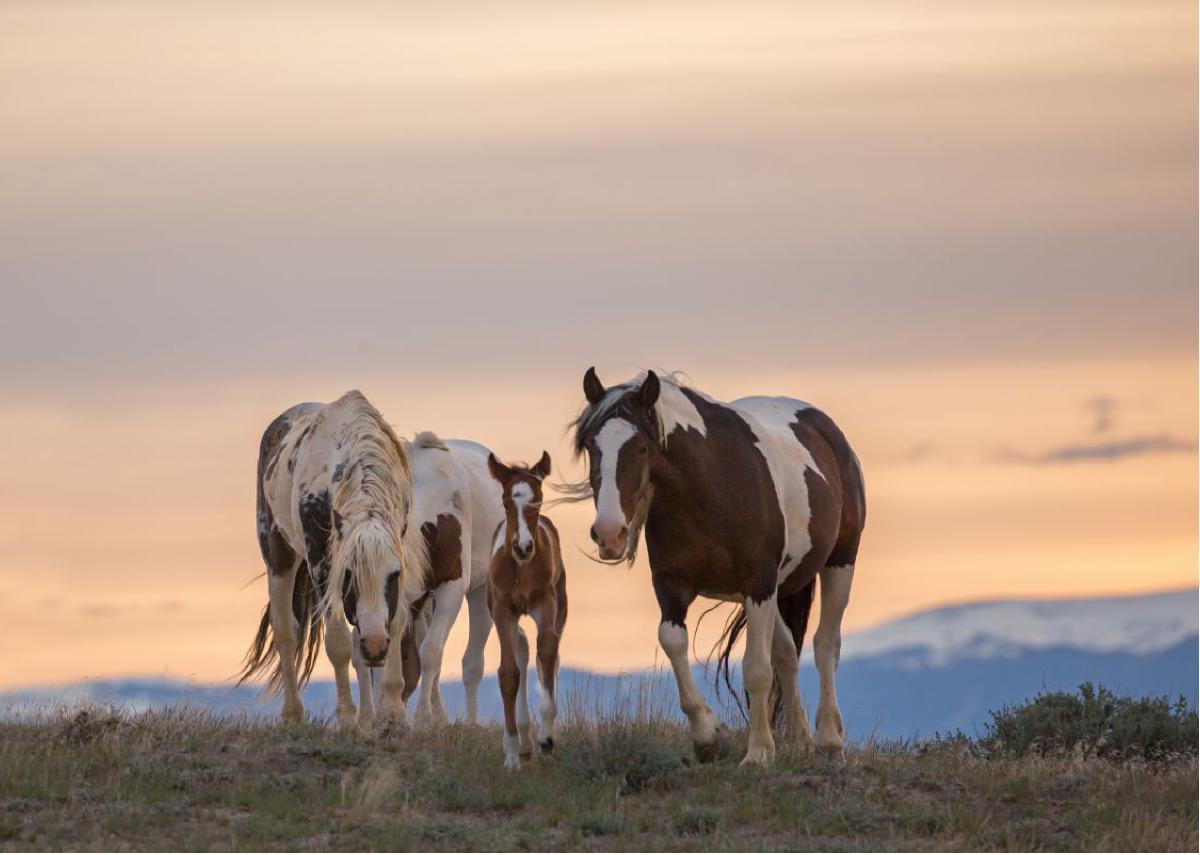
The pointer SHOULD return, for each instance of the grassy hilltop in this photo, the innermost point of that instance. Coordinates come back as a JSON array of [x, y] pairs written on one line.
[[184, 780]]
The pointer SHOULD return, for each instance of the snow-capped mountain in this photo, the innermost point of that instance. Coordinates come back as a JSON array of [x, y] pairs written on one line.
[[938, 670], [1138, 625]]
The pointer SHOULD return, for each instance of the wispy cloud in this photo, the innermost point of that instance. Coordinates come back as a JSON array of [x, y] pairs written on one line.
[[1099, 452]]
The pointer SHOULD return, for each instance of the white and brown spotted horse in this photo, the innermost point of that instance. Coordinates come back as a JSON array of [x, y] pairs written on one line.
[[452, 506], [527, 577], [457, 506], [748, 501], [335, 496]]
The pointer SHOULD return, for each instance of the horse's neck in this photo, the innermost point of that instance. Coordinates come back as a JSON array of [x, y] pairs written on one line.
[[674, 476]]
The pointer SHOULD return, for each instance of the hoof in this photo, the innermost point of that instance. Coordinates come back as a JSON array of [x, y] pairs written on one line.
[[292, 714], [721, 745], [761, 756], [512, 764], [834, 751], [547, 746], [347, 718]]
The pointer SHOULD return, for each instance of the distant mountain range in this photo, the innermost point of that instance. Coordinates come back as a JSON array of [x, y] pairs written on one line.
[[937, 670]]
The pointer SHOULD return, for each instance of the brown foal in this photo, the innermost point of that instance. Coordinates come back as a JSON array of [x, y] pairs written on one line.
[[526, 577]]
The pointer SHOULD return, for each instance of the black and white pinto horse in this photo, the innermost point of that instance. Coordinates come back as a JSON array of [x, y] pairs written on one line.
[[335, 496], [748, 501], [453, 505]]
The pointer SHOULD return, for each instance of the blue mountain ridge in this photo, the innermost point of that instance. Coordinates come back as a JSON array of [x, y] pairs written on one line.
[[883, 696]]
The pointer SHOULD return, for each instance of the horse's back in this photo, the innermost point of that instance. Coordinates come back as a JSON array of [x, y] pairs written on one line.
[[486, 502]]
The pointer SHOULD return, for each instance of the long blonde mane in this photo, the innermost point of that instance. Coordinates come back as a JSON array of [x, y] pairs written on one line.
[[371, 501]]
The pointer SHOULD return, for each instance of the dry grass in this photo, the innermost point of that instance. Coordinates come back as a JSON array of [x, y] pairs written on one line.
[[183, 780]]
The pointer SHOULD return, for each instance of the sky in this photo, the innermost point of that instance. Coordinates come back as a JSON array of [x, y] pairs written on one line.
[[967, 230]]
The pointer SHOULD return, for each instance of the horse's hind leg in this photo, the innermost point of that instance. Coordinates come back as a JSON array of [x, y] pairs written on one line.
[[548, 636], [286, 631], [756, 677], [786, 662], [480, 621], [827, 648]]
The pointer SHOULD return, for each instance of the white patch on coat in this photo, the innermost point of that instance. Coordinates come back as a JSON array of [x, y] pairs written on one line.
[[677, 412], [609, 441], [787, 459], [522, 495]]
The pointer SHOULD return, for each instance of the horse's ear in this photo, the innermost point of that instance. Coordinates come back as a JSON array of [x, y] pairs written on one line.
[[593, 389], [542, 469], [647, 393], [497, 469]]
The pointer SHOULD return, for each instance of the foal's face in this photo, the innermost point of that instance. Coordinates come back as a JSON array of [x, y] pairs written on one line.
[[522, 490], [619, 453]]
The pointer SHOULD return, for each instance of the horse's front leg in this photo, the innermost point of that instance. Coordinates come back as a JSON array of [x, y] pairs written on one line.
[[709, 738], [447, 603], [366, 685], [338, 648], [510, 682], [391, 702]]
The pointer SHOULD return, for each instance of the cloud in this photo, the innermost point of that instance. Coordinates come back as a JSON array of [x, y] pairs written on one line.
[[1100, 452], [1103, 409]]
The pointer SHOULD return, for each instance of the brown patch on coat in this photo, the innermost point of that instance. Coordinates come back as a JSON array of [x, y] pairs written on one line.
[[443, 538]]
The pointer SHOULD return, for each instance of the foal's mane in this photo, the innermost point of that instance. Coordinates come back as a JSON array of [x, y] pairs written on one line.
[[372, 500]]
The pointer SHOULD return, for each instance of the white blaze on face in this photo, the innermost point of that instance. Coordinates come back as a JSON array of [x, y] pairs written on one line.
[[609, 441], [522, 495]]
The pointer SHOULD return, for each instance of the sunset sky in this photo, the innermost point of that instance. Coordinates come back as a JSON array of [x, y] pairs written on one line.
[[965, 229]]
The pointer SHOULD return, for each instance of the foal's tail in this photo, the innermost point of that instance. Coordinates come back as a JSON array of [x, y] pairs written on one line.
[[263, 656], [733, 630]]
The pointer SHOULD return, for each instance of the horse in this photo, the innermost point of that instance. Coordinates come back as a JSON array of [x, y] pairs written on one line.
[[335, 498], [748, 501], [457, 506], [526, 577]]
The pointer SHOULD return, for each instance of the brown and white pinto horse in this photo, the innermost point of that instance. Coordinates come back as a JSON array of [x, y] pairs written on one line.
[[334, 500], [526, 577], [746, 501]]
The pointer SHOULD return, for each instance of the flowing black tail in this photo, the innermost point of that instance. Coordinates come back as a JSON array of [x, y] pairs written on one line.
[[795, 616], [263, 656]]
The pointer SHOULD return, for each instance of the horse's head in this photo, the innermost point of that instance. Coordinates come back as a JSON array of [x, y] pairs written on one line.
[[620, 434], [522, 488], [367, 562]]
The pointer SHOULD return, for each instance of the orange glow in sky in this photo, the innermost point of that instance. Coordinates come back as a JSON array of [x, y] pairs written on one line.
[[966, 230]]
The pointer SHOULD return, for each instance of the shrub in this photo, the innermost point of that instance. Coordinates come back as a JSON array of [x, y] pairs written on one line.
[[699, 821], [638, 756], [1097, 722]]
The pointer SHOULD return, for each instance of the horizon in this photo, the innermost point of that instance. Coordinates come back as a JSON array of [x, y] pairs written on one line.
[[967, 232]]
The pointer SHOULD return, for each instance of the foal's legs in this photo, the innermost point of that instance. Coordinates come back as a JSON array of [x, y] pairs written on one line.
[[549, 623], [827, 648], [480, 621], [756, 677], [512, 663], [708, 738], [447, 602], [286, 632], [338, 649], [524, 720]]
